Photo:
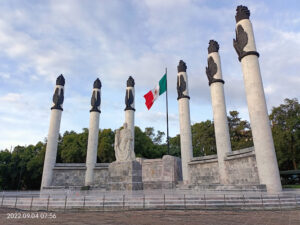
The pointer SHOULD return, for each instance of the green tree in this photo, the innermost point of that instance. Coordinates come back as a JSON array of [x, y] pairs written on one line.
[[203, 138], [73, 146], [175, 146], [106, 152], [285, 121], [5, 170], [240, 132], [35, 166], [143, 145]]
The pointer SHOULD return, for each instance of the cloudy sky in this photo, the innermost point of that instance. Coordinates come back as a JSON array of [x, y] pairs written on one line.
[[114, 39]]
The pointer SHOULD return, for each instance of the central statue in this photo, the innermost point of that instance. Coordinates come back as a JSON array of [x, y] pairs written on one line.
[[124, 145]]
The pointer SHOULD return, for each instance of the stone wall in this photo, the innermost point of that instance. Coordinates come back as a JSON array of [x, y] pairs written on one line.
[[165, 173], [156, 173], [101, 175], [204, 170], [240, 166], [162, 173], [73, 174]]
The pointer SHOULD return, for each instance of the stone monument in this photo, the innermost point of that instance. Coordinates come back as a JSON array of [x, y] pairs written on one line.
[[91, 156], [126, 173], [252, 168], [216, 83], [244, 45], [52, 141]]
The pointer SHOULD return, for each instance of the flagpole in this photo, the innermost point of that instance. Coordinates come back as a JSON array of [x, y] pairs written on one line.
[[168, 145]]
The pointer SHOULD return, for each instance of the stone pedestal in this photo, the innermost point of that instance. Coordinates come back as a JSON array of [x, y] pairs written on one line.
[[162, 173], [125, 176]]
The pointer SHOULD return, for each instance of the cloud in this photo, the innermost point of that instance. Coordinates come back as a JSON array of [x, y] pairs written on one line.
[[115, 39]]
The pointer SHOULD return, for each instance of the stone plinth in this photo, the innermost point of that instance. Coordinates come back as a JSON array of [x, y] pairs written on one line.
[[162, 173], [125, 176]]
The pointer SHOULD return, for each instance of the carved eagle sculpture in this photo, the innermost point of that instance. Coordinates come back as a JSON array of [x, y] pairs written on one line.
[[95, 101], [129, 100], [58, 98], [241, 41], [181, 86], [211, 69]]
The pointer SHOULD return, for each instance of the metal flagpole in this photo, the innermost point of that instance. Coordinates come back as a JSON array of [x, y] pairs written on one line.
[[168, 145]]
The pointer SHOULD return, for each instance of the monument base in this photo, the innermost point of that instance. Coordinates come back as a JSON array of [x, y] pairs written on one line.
[[125, 176]]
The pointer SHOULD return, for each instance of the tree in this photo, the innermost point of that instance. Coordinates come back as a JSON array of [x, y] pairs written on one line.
[[106, 152], [285, 122], [73, 146], [143, 145], [5, 170], [175, 146], [240, 132], [203, 138]]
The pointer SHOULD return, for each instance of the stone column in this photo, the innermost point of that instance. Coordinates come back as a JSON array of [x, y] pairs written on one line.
[[244, 45], [214, 75], [129, 102], [91, 155], [185, 121], [52, 141]]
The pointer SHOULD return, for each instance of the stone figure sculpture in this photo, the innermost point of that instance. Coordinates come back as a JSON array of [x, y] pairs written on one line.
[[240, 41], [129, 98], [124, 145], [211, 71], [58, 97], [181, 83], [96, 98]]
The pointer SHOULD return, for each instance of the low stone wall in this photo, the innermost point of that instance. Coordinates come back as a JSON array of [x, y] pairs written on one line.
[[165, 173], [240, 166], [162, 173], [73, 174], [101, 175], [204, 170]]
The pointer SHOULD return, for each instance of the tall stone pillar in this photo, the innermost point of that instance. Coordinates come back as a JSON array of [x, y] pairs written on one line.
[[129, 102], [184, 119], [244, 45], [52, 141], [214, 75], [91, 155]]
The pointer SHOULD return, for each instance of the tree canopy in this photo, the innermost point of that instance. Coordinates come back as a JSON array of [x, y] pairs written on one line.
[[285, 121]]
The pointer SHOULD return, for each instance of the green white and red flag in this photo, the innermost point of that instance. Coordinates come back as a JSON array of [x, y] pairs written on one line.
[[152, 95]]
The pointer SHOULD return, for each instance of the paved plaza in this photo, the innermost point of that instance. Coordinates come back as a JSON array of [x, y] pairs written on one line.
[[161, 217]]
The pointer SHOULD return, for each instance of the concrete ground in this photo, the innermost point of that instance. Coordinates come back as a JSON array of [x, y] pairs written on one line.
[[172, 217]]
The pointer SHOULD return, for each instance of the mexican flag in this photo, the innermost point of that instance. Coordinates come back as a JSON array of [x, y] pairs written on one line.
[[152, 95]]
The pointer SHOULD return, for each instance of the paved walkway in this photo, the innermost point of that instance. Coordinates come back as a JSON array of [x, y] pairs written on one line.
[[172, 217]]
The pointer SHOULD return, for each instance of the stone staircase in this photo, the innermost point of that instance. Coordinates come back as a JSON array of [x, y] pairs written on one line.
[[219, 187]]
